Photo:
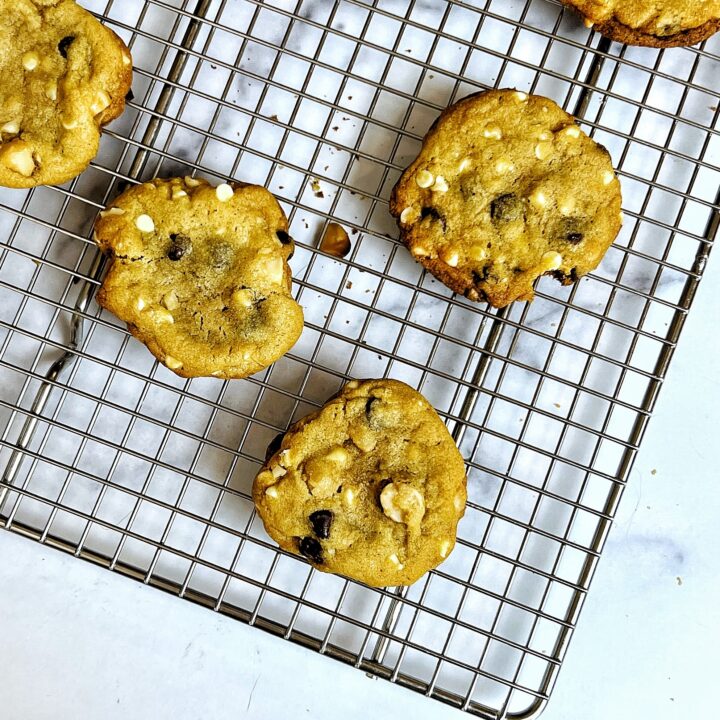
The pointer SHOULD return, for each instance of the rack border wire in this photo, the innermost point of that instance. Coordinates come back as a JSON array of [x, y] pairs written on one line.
[[494, 648]]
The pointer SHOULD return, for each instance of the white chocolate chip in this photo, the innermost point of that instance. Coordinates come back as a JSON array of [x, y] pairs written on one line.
[[126, 58], [464, 165], [30, 60], [440, 185], [521, 96], [191, 181], [243, 297], [69, 123], [173, 363], [551, 260], [477, 253], [275, 270], [395, 560], [163, 316], [408, 215], [178, 193], [543, 150], [353, 384], [140, 304], [572, 131], [445, 546], [424, 179], [111, 211], [608, 177], [419, 250], [224, 192], [459, 502], [348, 496], [10, 128], [51, 90], [588, 23], [544, 135], [102, 100], [170, 300], [272, 492], [338, 455], [567, 206], [493, 131], [539, 198], [622, 217], [17, 156], [402, 503], [502, 166], [278, 471], [449, 256], [144, 223]]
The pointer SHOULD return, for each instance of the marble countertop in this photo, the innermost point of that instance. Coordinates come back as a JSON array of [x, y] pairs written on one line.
[[78, 641]]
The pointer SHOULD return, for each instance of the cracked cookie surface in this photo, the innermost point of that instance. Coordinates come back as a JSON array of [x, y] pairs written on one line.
[[653, 23], [507, 188], [370, 486], [200, 275], [65, 75]]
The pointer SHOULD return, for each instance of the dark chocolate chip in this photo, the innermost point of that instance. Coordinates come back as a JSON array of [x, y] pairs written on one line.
[[506, 208], [574, 237], [130, 96], [321, 520], [64, 44], [432, 213], [482, 276], [274, 446], [311, 549], [283, 237], [180, 245]]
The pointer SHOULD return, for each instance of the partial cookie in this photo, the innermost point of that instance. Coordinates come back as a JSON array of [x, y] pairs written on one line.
[[64, 76], [505, 189], [200, 275], [371, 486], [654, 23]]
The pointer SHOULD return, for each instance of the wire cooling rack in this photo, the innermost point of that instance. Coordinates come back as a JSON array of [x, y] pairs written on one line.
[[109, 456]]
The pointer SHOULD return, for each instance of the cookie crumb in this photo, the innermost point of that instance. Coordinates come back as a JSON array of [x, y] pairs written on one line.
[[335, 241]]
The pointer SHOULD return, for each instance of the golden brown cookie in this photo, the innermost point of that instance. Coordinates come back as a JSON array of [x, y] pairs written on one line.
[[371, 486], [654, 23], [64, 76], [200, 275], [507, 188]]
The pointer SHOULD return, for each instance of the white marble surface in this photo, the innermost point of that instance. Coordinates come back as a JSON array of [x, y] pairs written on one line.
[[79, 642]]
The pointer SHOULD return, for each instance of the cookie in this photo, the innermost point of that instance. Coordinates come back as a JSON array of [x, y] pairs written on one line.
[[64, 76], [200, 275], [654, 23], [507, 188], [370, 486]]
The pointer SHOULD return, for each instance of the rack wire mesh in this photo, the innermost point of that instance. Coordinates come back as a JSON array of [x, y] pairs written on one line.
[[111, 457]]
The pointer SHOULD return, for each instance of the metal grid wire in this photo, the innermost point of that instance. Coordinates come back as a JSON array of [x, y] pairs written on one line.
[[115, 459]]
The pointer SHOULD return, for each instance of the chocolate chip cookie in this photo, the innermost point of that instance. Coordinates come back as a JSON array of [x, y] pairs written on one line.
[[64, 76], [654, 23], [507, 188], [371, 486], [200, 275]]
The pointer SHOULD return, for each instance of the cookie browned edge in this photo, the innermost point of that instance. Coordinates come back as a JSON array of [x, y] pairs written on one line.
[[624, 34], [117, 106], [619, 32]]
